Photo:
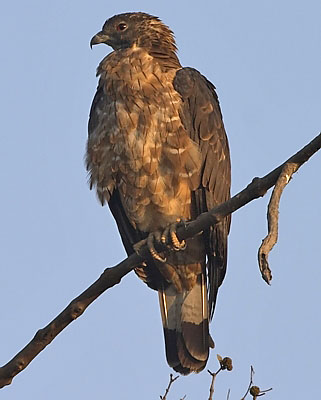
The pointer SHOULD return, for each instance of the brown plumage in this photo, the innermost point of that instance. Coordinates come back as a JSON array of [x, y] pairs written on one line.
[[157, 151]]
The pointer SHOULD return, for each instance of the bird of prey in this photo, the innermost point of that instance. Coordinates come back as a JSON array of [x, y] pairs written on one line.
[[157, 153]]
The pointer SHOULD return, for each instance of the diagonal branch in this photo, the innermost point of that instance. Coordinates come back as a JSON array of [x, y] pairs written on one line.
[[250, 384], [112, 276]]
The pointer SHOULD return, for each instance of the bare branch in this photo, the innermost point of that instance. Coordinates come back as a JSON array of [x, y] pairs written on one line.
[[213, 374], [112, 276], [225, 364], [250, 384], [254, 391], [262, 392], [171, 381], [273, 217]]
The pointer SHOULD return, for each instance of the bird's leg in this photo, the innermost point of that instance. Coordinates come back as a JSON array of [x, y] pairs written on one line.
[[152, 237], [150, 243], [170, 233], [168, 238]]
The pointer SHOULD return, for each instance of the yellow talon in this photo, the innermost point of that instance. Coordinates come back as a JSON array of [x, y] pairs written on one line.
[[176, 243], [165, 235], [168, 235], [157, 257], [152, 250]]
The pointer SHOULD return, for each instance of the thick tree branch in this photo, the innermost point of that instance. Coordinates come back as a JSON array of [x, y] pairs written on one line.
[[112, 276]]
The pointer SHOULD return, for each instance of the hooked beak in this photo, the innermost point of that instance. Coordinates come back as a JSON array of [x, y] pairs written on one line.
[[100, 37]]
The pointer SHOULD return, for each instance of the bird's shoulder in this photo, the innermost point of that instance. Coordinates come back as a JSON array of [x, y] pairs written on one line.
[[200, 106]]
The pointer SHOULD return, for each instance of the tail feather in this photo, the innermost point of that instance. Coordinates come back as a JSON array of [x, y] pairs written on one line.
[[185, 322], [186, 360]]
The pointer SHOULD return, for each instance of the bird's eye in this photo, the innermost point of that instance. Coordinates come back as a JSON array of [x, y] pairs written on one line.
[[121, 27]]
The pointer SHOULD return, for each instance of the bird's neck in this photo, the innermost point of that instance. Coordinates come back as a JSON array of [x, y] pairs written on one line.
[[131, 64]]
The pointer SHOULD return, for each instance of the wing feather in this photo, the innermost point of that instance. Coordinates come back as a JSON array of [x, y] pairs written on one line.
[[202, 118]]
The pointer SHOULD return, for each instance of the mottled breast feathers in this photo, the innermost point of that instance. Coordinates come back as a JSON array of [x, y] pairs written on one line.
[[148, 152]]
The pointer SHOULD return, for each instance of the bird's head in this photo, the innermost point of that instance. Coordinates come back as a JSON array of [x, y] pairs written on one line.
[[135, 29]]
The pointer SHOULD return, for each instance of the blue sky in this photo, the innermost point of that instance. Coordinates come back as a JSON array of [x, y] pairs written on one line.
[[264, 58]]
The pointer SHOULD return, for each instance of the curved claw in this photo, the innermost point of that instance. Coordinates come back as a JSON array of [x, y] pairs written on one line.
[[150, 243], [169, 235], [178, 246], [168, 238], [165, 235]]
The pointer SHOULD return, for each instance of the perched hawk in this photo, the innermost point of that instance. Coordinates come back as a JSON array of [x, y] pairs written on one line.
[[157, 152]]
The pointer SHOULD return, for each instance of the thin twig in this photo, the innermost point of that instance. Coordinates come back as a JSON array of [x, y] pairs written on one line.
[[250, 384], [228, 394], [171, 381], [112, 276], [213, 374], [262, 392], [255, 391], [273, 217]]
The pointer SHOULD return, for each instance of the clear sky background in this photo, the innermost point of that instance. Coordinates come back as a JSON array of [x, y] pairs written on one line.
[[264, 57]]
